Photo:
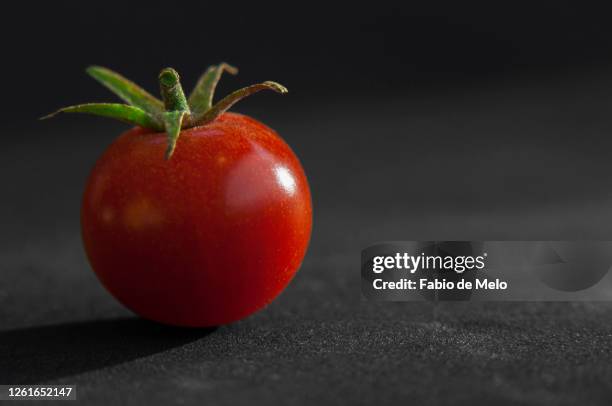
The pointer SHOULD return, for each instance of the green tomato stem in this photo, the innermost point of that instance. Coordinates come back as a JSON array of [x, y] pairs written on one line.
[[172, 91]]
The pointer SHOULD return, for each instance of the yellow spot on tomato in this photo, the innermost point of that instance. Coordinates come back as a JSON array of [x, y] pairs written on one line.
[[108, 215], [141, 213]]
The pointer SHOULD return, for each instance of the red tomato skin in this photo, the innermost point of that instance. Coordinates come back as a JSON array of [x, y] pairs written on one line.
[[205, 238]]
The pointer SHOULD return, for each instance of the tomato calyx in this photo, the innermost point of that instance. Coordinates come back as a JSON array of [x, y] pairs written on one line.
[[175, 111]]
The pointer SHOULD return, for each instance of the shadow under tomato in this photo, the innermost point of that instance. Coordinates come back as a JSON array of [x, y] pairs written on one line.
[[40, 354]]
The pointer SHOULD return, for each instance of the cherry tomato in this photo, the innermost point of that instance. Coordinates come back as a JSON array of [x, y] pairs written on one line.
[[205, 238]]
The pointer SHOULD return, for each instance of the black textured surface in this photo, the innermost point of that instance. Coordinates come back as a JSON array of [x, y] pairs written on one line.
[[513, 162]]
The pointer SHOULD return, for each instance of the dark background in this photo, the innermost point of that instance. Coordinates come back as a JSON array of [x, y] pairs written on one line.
[[433, 120]]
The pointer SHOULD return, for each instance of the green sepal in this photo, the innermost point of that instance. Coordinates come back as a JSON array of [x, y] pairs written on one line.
[[173, 121], [175, 112], [228, 101], [129, 114], [201, 96], [127, 90]]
